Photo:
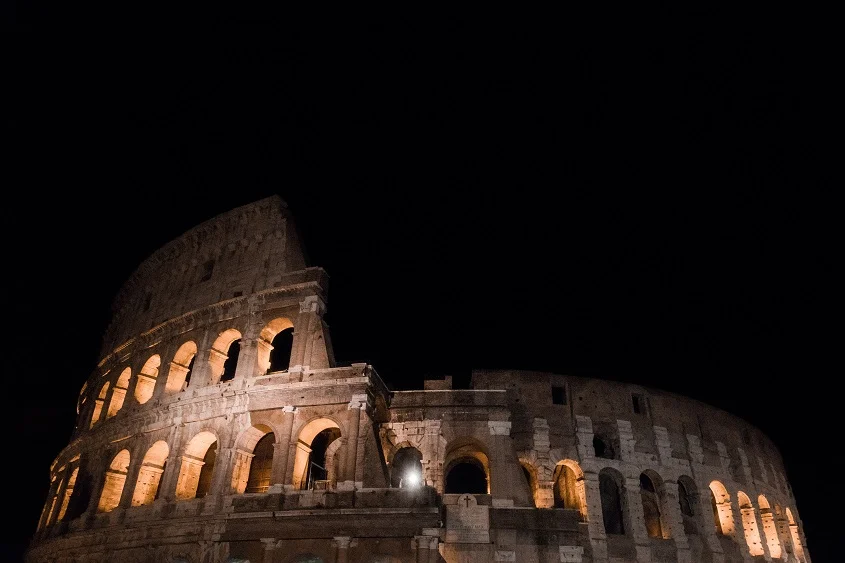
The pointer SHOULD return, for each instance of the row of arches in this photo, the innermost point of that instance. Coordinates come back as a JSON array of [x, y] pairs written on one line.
[[315, 461], [779, 527], [274, 347]]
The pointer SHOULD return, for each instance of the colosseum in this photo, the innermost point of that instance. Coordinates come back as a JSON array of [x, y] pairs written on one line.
[[218, 427]]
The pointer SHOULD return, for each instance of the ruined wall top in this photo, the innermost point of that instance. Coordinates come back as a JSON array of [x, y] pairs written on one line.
[[240, 252]]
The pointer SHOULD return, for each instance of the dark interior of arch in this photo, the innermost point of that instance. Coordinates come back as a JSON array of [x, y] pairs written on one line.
[[611, 505], [466, 476], [405, 461], [280, 354], [651, 507], [602, 447], [204, 484], [190, 370], [317, 460], [261, 466], [231, 361], [687, 504]]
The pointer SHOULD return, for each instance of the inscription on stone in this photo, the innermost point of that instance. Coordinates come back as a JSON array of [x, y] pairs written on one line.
[[466, 522]]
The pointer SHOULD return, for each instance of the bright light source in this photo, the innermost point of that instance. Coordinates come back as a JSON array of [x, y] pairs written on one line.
[[412, 479]]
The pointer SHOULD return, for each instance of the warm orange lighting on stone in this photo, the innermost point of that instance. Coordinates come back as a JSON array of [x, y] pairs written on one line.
[[114, 481], [146, 382], [118, 394], [150, 473], [176, 378]]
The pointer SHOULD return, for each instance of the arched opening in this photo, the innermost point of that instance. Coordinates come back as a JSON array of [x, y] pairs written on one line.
[[274, 346], [98, 404], [261, 467], [570, 489], [197, 467], [406, 468], [114, 481], [720, 501], [231, 363], [282, 346], [466, 475], [71, 483], [149, 476], [220, 358], [145, 385], [118, 394], [309, 465], [610, 490], [179, 376], [797, 546], [769, 527], [688, 501], [602, 447], [651, 489], [466, 468], [749, 524]]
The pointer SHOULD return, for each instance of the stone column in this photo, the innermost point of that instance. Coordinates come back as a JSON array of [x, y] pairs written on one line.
[[354, 408], [422, 544], [506, 478], [248, 355], [135, 461], [201, 372], [595, 524], [172, 465], [433, 551], [671, 508], [221, 483], [706, 524], [342, 544], [309, 349], [636, 519], [544, 496], [281, 451]]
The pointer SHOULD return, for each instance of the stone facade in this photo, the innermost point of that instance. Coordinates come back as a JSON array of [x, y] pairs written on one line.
[[204, 436]]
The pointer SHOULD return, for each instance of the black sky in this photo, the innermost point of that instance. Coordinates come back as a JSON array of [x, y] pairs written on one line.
[[481, 196]]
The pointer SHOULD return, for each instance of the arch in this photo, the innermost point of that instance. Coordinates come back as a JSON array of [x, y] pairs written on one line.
[[651, 495], [221, 365], [149, 476], [749, 524], [253, 460], [795, 536], [469, 458], [467, 475], [406, 468], [114, 481], [690, 504], [720, 501], [98, 404], [197, 466], [769, 527], [181, 366], [146, 379], [118, 394], [303, 463], [274, 355], [71, 483], [610, 489], [570, 487]]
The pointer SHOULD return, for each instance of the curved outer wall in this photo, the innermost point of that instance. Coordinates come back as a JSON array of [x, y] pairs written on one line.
[[182, 454]]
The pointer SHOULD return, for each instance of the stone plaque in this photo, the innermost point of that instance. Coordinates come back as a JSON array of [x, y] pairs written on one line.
[[571, 553], [466, 522], [505, 555]]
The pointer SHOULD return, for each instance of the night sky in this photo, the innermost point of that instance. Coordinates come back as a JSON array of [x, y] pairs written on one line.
[[480, 196]]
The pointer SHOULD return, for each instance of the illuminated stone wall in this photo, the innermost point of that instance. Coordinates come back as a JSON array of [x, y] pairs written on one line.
[[169, 426]]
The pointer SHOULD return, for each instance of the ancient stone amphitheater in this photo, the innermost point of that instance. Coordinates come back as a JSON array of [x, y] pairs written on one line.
[[217, 426]]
